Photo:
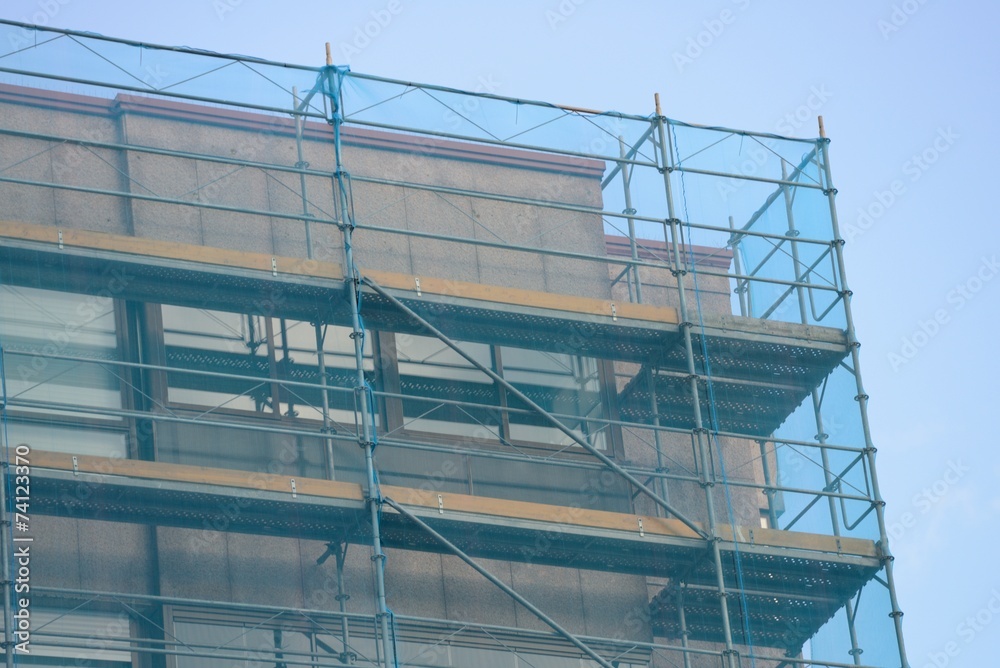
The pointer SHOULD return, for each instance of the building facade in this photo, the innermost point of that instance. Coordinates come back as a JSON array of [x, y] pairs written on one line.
[[309, 368]]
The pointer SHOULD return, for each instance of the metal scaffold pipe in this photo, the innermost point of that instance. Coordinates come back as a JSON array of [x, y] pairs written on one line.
[[708, 481], [6, 548], [862, 398], [630, 212], [366, 433]]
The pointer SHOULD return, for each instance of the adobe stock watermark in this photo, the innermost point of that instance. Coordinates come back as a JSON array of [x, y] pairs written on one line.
[[223, 7], [562, 12], [927, 498], [366, 33], [899, 16], [703, 40], [967, 631], [47, 10], [913, 169], [957, 298], [458, 112], [805, 112], [763, 150]]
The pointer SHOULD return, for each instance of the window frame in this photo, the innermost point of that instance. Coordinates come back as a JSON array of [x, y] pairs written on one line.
[[78, 416], [394, 418]]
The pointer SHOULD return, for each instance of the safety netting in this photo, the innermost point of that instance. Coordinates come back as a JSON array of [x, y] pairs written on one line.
[[311, 367]]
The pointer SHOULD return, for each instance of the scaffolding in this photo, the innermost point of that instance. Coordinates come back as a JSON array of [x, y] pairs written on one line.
[[255, 316]]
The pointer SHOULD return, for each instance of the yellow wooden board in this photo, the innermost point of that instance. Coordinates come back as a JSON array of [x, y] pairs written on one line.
[[170, 250], [521, 297]]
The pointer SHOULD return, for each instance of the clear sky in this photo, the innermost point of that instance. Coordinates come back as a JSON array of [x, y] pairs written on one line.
[[907, 89]]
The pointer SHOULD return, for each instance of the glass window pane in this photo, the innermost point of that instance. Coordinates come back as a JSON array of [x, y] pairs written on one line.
[[219, 342], [75, 440], [36, 326], [566, 385], [83, 636], [433, 374]]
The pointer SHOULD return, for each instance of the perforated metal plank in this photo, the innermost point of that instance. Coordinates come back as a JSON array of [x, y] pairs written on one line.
[[470, 320], [168, 281], [784, 622]]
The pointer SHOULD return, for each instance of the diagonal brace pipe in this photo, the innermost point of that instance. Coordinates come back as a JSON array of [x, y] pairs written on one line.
[[454, 549], [535, 407]]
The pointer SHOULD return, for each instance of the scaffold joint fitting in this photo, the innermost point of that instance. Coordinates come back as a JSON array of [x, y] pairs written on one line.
[[860, 397], [829, 191], [629, 211]]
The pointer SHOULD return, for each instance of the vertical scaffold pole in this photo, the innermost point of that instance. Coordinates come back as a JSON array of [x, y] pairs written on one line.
[[366, 434], [5, 525], [302, 164], [347, 656], [701, 433], [862, 397], [821, 435], [327, 427], [661, 482], [682, 621], [769, 491], [630, 211], [742, 289]]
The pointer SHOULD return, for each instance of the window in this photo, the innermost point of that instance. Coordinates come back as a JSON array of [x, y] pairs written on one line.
[[254, 362], [80, 637], [437, 392], [251, 370], [58, 354], [258, 365], [233, 376]]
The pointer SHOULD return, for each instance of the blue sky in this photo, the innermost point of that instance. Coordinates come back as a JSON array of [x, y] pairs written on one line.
[[908, 90]]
